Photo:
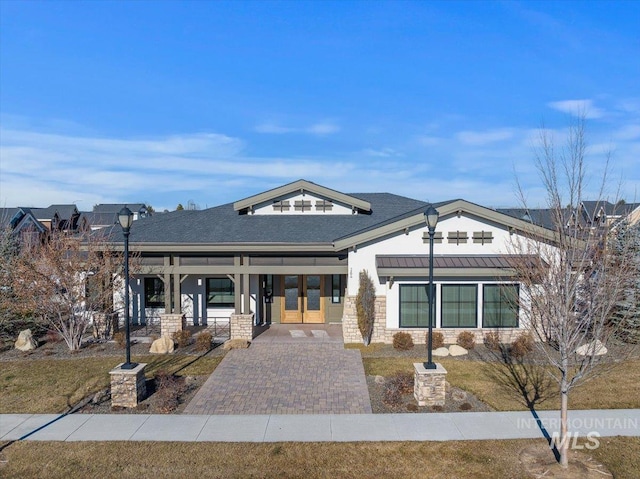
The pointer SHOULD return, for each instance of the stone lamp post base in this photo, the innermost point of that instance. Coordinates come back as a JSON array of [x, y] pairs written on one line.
[[128, 386], [429, 385]]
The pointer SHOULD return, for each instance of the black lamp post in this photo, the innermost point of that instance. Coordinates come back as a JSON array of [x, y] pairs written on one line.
[[431, 217], [125, 217]]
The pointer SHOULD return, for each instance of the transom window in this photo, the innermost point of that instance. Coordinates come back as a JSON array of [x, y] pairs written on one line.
[[414, 306], [153, 293], [459, 305], [500, 306], [220, 293]]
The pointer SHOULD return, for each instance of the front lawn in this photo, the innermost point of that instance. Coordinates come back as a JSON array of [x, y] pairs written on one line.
[[618, 389]]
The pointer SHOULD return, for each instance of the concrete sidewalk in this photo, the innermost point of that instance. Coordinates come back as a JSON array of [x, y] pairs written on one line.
[[313, 427]]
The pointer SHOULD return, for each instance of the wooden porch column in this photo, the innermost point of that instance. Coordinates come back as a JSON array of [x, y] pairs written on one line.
[[237, 296], [246, 292]]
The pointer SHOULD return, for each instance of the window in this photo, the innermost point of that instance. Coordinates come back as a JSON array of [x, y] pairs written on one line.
[[336, 288], [437, 237], [459, 305], [500, 306], [482, 237], [302, 205], [153, 293], [457, 237], [414, 305], [220, 293], [281, 206], [324, 205]]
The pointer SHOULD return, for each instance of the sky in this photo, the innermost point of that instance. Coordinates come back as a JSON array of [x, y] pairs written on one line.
[[209, 102]]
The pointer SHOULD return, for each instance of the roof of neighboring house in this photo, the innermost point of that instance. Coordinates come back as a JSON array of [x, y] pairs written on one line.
[[99, 219], [537, 216], [116, 207], [65, 212], [6, 215]]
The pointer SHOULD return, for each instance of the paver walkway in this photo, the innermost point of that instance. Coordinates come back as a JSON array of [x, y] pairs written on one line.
[[301, 369]]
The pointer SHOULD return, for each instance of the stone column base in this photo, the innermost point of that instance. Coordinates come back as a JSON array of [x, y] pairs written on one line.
[[241, 326], [128, 386], [170, 323], [429, 385]]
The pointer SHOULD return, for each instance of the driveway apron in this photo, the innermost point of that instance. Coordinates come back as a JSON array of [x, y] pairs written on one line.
[[301, 369]]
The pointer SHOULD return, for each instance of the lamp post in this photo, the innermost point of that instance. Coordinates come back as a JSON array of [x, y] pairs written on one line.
[[125, 217], [431, 217]]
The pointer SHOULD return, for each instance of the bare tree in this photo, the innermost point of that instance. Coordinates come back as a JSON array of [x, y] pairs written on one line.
[[65, 279], [570, 292]]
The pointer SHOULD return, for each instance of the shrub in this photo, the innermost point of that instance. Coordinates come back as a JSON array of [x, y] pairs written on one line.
[[366, 307], [492, 341], [396, 386], [203, 341], [182, 338], [465, 406], [52, 337], [402, 341], [120, 338], [437, 340], [169, 388], [522, 346], [466, 339]]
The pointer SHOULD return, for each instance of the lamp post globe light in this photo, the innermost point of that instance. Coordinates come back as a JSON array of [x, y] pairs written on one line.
[[431, 217], [125, 218]]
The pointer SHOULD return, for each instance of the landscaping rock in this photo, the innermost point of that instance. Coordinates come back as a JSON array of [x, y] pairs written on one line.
[[379, 379], [235, 344], [440, 352], [25, 341], [163, 345], [455, 350], [594, 348]]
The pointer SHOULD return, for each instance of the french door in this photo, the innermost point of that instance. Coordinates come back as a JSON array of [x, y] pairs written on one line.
[[302, 299]]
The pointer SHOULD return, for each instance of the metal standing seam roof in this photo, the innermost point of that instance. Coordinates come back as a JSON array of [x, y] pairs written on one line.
[[445, 261]]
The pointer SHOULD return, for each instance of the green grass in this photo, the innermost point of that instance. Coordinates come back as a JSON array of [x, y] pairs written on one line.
[[55, 385], [453, 459]]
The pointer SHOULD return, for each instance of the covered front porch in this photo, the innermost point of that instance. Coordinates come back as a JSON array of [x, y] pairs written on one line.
[[187, 290]]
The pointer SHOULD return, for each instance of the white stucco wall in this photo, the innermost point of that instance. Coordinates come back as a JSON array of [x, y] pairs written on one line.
[[267, 207]]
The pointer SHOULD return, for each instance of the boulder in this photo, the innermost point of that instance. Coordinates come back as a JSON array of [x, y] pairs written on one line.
[[594, 348], [163, 345], [440, 352], [455, 350], [25, 341], [235, 344]]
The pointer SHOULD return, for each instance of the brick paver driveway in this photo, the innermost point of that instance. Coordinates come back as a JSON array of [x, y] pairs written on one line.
[[299, 369]]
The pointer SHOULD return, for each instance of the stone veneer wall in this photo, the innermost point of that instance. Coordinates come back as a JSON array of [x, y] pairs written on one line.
[[241, 326], [128, 386], [382, 334], [170, 323]]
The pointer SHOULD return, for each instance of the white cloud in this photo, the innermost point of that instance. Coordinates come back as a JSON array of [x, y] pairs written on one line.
[[485, 137], [578, 108], [321, 128], [382, 152]]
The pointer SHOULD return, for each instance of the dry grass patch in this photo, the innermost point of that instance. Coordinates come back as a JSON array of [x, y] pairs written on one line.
[[459, 459], [55, 385], [618, 389]]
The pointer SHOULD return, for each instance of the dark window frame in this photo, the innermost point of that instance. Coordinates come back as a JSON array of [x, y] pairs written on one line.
[[442, 304], [400, 304], [503, 303], [220, 304], [153, 288]]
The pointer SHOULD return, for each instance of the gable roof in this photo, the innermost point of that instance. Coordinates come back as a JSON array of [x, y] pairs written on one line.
[[302, 185], [116, 207]]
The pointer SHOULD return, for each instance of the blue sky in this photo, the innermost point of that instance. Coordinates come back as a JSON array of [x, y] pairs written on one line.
[[166, 102]]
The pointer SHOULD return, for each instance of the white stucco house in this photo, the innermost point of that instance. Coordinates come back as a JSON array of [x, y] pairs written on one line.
[[293, 254]]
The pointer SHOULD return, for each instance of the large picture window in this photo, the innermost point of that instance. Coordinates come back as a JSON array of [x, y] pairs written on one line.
[[220, 293], [500, 306], [459, 305], [153, 293], [414, 306]]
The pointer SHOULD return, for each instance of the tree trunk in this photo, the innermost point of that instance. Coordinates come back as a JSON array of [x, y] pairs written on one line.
[[564, 439]]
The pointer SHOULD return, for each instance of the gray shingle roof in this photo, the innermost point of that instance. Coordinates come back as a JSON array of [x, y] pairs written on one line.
[[224, 225]]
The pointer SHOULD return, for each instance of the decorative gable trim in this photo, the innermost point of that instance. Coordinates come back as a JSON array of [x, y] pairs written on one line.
[[302, 186]]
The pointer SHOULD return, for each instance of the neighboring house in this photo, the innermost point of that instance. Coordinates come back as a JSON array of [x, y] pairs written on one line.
[[104, 215], [293, 255]]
